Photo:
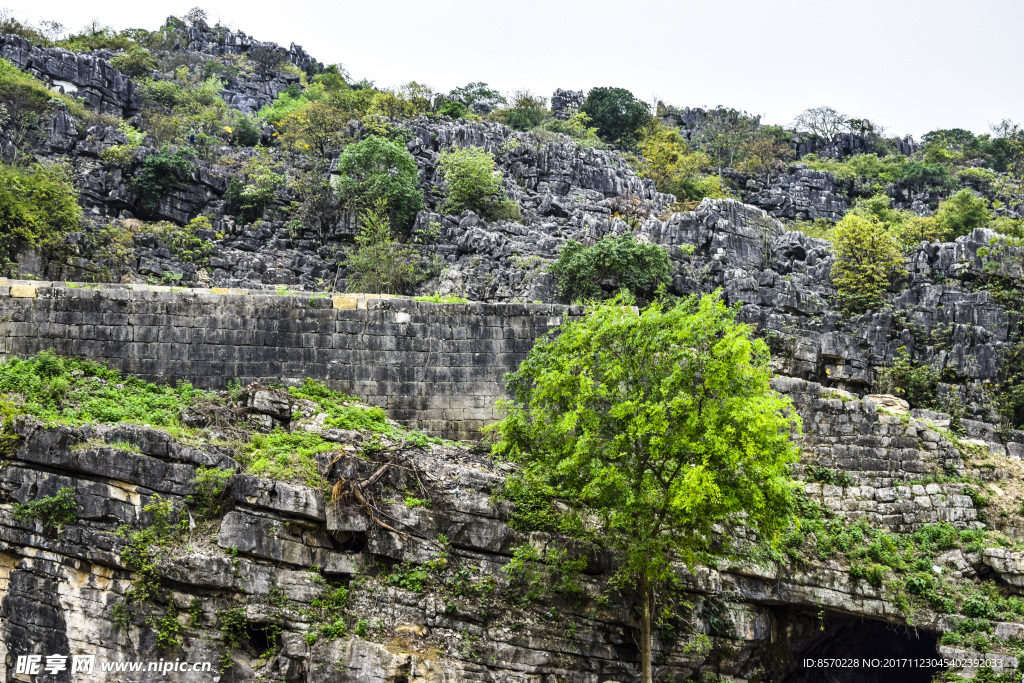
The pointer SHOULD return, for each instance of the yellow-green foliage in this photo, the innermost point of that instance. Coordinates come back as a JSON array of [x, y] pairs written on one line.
[[962, 213], [38, 206], [906, 226], [31, 94], [666, 159], [868, 259]]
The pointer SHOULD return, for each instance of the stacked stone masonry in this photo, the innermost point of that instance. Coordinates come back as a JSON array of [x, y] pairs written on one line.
[[435, 367]]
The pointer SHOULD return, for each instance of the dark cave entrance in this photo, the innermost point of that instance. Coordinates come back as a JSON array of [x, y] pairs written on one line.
[[871, 651]]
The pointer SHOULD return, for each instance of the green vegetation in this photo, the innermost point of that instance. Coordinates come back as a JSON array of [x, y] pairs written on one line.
[[140, 555], [613, 264], [665, 158], [288, 456], [157, 175], [72, 391], [328, 611], [55, 512], [379, 169], [868, 259], [961, 214], [436, 298], [379, 263], [651, 428], [911, 380], [474, 184], [251, 191], [38, 206], [211, 483], [617, 114]]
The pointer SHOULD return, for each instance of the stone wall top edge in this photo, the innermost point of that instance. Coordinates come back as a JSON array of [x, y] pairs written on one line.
[[267, 298]]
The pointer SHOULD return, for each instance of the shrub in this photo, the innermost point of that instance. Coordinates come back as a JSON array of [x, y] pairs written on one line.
[[868, 259], [71, 391], [375, 168], [53, 511], [962, 213], [474, 184], [379, 263], [665, 158], [905, 378], [250, 193], [158, 174], [527, 111], [454, 109], [137, 62], [38, 206], [245, 131], [210, 483], [288, 456], [617, 113], [611, 265]]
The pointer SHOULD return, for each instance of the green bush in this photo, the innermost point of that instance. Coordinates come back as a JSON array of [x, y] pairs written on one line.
[[474, 184], [375, 168], [379, 263], [454, 109], [136, 62], [210, 483], [72, 391], [609, 266], [617, 113], [868, 259], [53, 511], [527, 111], [962, 213], [38, 206], [157, 175], [908, 379], [245, 131]]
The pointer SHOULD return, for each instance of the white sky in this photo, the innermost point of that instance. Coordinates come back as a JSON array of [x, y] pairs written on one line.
[[912, 66]]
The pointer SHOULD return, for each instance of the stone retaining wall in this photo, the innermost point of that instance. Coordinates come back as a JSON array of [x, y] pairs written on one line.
[[435, 367]]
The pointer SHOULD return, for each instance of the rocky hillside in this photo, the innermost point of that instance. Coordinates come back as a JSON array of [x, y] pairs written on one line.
[[301, 535]]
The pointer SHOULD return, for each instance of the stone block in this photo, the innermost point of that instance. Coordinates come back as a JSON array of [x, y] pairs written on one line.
[[23, 291]]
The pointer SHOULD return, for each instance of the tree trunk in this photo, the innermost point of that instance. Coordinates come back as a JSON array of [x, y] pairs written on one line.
[[646, 675]]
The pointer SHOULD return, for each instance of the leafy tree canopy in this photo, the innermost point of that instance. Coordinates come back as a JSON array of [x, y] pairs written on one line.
[[652, 428], [613, 264], [376, 168], [617, 113]]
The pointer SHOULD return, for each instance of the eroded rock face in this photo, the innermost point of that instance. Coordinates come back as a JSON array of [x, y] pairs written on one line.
[[90, 76], [276, 543]]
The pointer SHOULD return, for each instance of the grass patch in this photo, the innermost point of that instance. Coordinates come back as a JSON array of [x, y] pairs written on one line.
[[74, 392]]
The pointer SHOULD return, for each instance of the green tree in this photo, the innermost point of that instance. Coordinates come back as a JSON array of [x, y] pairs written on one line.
[[380, 264], [375, 168], [38, 206], [962, 213], [666, 159], [474, 184], [868, 259], [653, 428], [611, 265], [526, 112], [617, 113]]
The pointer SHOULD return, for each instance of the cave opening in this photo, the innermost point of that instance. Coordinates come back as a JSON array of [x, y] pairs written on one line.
[[856, 650]]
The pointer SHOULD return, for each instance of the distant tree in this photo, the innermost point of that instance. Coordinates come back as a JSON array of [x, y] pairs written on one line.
[[376, 168], [868, 259], [766, 157], [725, 133], [617, 114], [477, 93], [825, 122], [197, 17], [379, 264], [315, 129], [473, 183], [649, 432], [525, 111], [266, 59], [38, 207], [962, 213], [665, 158]]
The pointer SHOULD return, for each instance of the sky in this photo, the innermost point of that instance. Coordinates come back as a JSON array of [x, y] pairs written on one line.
[[910, 66]]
